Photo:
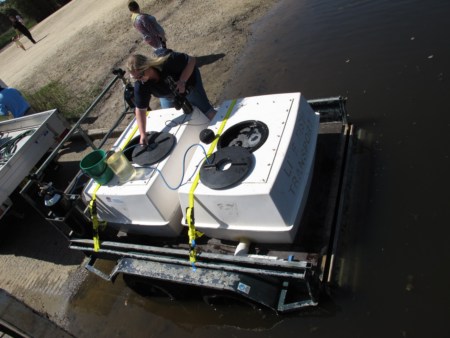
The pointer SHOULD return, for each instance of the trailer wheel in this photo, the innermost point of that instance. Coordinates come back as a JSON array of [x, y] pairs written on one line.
[[146, 287], [218, 299]]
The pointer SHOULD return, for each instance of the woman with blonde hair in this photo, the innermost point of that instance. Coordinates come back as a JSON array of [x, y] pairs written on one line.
[[154, 75]]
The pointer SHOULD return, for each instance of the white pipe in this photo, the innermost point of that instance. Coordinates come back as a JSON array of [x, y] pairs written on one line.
[[242, 248]]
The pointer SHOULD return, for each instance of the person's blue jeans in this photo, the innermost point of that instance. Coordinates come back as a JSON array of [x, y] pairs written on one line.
[[197, 96]]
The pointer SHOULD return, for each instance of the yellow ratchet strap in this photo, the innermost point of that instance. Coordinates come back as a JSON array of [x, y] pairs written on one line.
[[94, 217], [192, 232], [93, 203]]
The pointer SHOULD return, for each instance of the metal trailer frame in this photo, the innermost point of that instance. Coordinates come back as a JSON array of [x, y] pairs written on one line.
[[281, 278], [25, 142]]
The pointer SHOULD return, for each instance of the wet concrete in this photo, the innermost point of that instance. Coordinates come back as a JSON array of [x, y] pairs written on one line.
[[39, 271], [37, 266], [19, 320]]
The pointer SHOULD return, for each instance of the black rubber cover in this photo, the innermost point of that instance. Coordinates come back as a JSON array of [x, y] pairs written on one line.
[[159, 147], [226, 167]]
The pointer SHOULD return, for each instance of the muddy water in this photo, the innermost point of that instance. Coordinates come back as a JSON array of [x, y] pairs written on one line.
[[391, 59]]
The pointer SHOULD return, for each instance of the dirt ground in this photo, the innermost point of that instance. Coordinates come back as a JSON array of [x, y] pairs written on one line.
[[80, 45]]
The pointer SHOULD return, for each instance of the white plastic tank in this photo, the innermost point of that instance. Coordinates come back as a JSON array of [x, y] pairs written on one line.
[[266, 203], [145, 204]]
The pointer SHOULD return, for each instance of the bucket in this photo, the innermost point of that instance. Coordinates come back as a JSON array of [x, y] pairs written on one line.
[[94, 165], [120, 165]]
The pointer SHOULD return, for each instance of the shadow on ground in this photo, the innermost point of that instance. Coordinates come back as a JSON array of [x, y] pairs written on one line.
[[208, 59]]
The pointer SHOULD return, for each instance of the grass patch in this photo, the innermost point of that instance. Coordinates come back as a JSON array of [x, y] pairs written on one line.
[[55, 95]]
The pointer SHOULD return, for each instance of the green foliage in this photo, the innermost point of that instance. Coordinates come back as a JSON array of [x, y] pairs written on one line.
[[54, 95], [36, 9], [5, 38]]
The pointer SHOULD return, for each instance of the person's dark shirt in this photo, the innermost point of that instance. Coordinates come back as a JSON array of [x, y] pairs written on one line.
[[21, 28], [173, 67]]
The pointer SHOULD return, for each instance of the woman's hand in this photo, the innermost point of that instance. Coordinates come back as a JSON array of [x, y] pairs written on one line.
[[141, 119], [143, 139]]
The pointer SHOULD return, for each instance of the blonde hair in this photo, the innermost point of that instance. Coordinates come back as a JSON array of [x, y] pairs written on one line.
[[140, 63]]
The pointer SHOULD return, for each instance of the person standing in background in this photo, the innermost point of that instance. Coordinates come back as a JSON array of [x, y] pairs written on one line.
[[147, 25], [20, 28]]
